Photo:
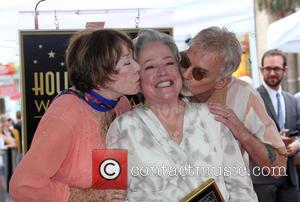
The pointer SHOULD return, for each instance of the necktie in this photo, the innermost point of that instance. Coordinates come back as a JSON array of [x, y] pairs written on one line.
[[279, 112]]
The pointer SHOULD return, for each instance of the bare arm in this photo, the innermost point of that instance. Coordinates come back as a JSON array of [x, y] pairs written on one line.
[[260, 153], [78, 195], [9, 141], [90, 194]]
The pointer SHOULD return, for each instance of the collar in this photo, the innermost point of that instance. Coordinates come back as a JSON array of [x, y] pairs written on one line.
[[271, 91], [93, 99]]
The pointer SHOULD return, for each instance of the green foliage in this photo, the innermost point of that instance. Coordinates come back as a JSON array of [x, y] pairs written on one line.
[[279, 8]]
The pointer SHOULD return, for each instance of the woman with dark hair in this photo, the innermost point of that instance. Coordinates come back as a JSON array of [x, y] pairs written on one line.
[[101, 69]]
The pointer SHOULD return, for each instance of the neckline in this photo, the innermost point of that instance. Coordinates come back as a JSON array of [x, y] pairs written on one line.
[[100, 98], [93, 99], [162, 127]]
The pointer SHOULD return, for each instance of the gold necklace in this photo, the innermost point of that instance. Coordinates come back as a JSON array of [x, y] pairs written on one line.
[[174, 134]]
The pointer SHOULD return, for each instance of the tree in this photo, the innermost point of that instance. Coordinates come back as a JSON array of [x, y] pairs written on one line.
[[279, 8]]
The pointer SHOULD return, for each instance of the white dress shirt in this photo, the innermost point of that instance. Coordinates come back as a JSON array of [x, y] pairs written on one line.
[[272, 94]]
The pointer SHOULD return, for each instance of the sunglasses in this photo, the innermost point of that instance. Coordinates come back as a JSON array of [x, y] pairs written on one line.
[[198, 73]]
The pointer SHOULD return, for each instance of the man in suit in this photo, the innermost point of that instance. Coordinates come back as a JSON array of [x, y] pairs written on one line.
[[282, 108], [297, 97]]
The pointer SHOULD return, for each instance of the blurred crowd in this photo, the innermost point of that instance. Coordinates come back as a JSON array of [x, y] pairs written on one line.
[[10, 147]]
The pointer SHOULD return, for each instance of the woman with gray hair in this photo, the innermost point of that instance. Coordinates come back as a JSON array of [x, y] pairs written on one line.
[[173, 146]]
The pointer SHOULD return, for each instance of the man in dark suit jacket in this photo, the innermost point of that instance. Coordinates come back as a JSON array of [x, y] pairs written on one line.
[[282, 108]]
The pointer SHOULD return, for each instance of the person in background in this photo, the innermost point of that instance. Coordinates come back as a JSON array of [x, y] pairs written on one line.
[[297, 155], [297, 97], [58, 165], [18, 126], [10, 143], [8, 133], [282, 108], [166, 132], [207, 68]]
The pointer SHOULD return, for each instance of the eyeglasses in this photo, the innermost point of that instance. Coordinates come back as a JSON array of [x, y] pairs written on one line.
[[275, 69], [198, 73]]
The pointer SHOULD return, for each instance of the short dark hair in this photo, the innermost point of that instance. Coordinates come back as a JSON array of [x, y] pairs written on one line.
[[92, 56], [274, 52], [18, 114]]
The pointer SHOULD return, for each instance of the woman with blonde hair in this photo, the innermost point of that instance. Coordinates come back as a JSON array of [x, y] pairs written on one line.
[[8, 133]]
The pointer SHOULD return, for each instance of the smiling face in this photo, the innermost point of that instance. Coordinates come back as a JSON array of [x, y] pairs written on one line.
[[273, 70], [160, 78], [127, 80]]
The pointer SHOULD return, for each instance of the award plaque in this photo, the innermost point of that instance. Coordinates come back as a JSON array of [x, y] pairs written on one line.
[[206, 192]]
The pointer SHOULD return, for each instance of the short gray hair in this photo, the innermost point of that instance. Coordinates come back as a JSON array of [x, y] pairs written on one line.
[[224, 43], [148, 36]]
